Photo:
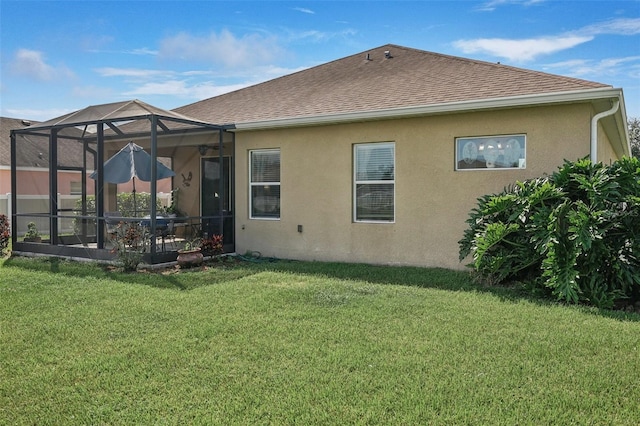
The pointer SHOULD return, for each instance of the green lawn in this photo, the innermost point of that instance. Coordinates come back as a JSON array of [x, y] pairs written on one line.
[[303, 343]]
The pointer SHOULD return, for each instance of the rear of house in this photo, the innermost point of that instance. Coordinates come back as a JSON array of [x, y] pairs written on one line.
[[380, 156], [377, 157]]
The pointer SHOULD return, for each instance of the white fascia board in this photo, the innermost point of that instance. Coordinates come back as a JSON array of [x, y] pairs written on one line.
[[443, 108], [623, 125]]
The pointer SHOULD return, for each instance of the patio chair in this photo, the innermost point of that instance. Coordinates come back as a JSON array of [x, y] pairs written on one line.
[[164, 229]]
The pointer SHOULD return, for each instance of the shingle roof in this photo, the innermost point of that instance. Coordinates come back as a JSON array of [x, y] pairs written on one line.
[[33, 150], [408, 77], [8, 124]]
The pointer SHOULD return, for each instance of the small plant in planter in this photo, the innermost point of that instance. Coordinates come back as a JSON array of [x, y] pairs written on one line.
[[173, 210], [32, 235], [5, 233], [191, 254]]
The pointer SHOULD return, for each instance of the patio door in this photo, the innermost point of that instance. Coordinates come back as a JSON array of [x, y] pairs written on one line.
[[216, 198]]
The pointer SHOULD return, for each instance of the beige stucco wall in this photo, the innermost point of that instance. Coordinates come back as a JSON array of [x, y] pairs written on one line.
[[432, 200], [605, 153]]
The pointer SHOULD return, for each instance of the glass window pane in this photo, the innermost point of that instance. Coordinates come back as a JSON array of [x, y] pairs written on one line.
[[374, 162], [265, 201], [491, 152], [374, 202], [265, 166], [265, 183]]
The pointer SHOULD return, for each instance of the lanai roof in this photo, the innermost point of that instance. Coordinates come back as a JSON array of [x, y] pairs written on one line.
[[381, 79], [113, 112], [124, 119]]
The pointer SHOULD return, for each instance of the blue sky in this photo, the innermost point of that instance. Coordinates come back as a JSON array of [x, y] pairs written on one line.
[[60, 56]]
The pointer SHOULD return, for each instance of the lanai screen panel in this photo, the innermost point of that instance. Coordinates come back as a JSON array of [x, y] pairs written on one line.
[[32, 183]]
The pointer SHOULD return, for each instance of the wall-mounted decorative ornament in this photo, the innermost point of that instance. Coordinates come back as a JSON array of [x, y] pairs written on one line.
[[186, 180]]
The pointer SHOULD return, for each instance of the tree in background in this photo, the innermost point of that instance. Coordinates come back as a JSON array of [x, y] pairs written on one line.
[[634, 136]]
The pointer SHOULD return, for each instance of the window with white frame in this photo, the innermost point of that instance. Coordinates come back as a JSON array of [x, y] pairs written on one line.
[[491, 152], [374, 182], [264, 182]]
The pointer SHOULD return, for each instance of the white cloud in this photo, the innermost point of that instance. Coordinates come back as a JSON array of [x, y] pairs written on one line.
[[588, 68], [304, 10], [621, 26], [35, 114], [92, 92], [221, 49], [171, 88], [320, 36], [143, 51], [183, 89], [130, 72], [520, 50], [140, 51], [199, 84], [31, 63], [494, 4]]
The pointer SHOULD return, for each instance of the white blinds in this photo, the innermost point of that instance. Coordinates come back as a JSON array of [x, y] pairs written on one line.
[[375, 162], [265, 166]]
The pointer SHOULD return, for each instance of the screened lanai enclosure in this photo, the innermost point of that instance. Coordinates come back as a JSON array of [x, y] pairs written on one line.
[[76, 179]]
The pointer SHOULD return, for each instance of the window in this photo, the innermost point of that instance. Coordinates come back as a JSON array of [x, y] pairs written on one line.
[[75, 188], [491, 152], [264, 181], [374, 182]]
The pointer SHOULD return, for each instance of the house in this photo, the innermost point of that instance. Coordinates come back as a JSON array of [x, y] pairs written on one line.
[[30, 160], [377, 157]]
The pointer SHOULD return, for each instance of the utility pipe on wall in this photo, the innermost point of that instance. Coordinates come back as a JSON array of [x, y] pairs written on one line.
[[594, 129]]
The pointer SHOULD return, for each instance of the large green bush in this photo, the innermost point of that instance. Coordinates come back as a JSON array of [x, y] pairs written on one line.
[[574, 234]]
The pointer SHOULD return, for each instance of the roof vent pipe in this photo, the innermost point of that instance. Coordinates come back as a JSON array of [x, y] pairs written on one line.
[[387, 54], [594, 129]]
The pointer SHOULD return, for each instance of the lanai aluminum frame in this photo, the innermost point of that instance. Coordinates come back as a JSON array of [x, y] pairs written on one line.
[[91, 128]]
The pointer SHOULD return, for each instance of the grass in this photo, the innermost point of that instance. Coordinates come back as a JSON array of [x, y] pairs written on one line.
[[303, 343]]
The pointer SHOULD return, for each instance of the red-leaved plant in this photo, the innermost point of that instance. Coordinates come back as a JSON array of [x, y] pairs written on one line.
[[212, 246], [5, 233]]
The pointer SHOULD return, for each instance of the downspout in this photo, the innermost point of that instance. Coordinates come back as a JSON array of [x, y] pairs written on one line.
[[594, 129]]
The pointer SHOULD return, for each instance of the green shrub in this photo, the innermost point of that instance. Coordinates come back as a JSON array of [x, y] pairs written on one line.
[[574, 234], [124, 205]]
